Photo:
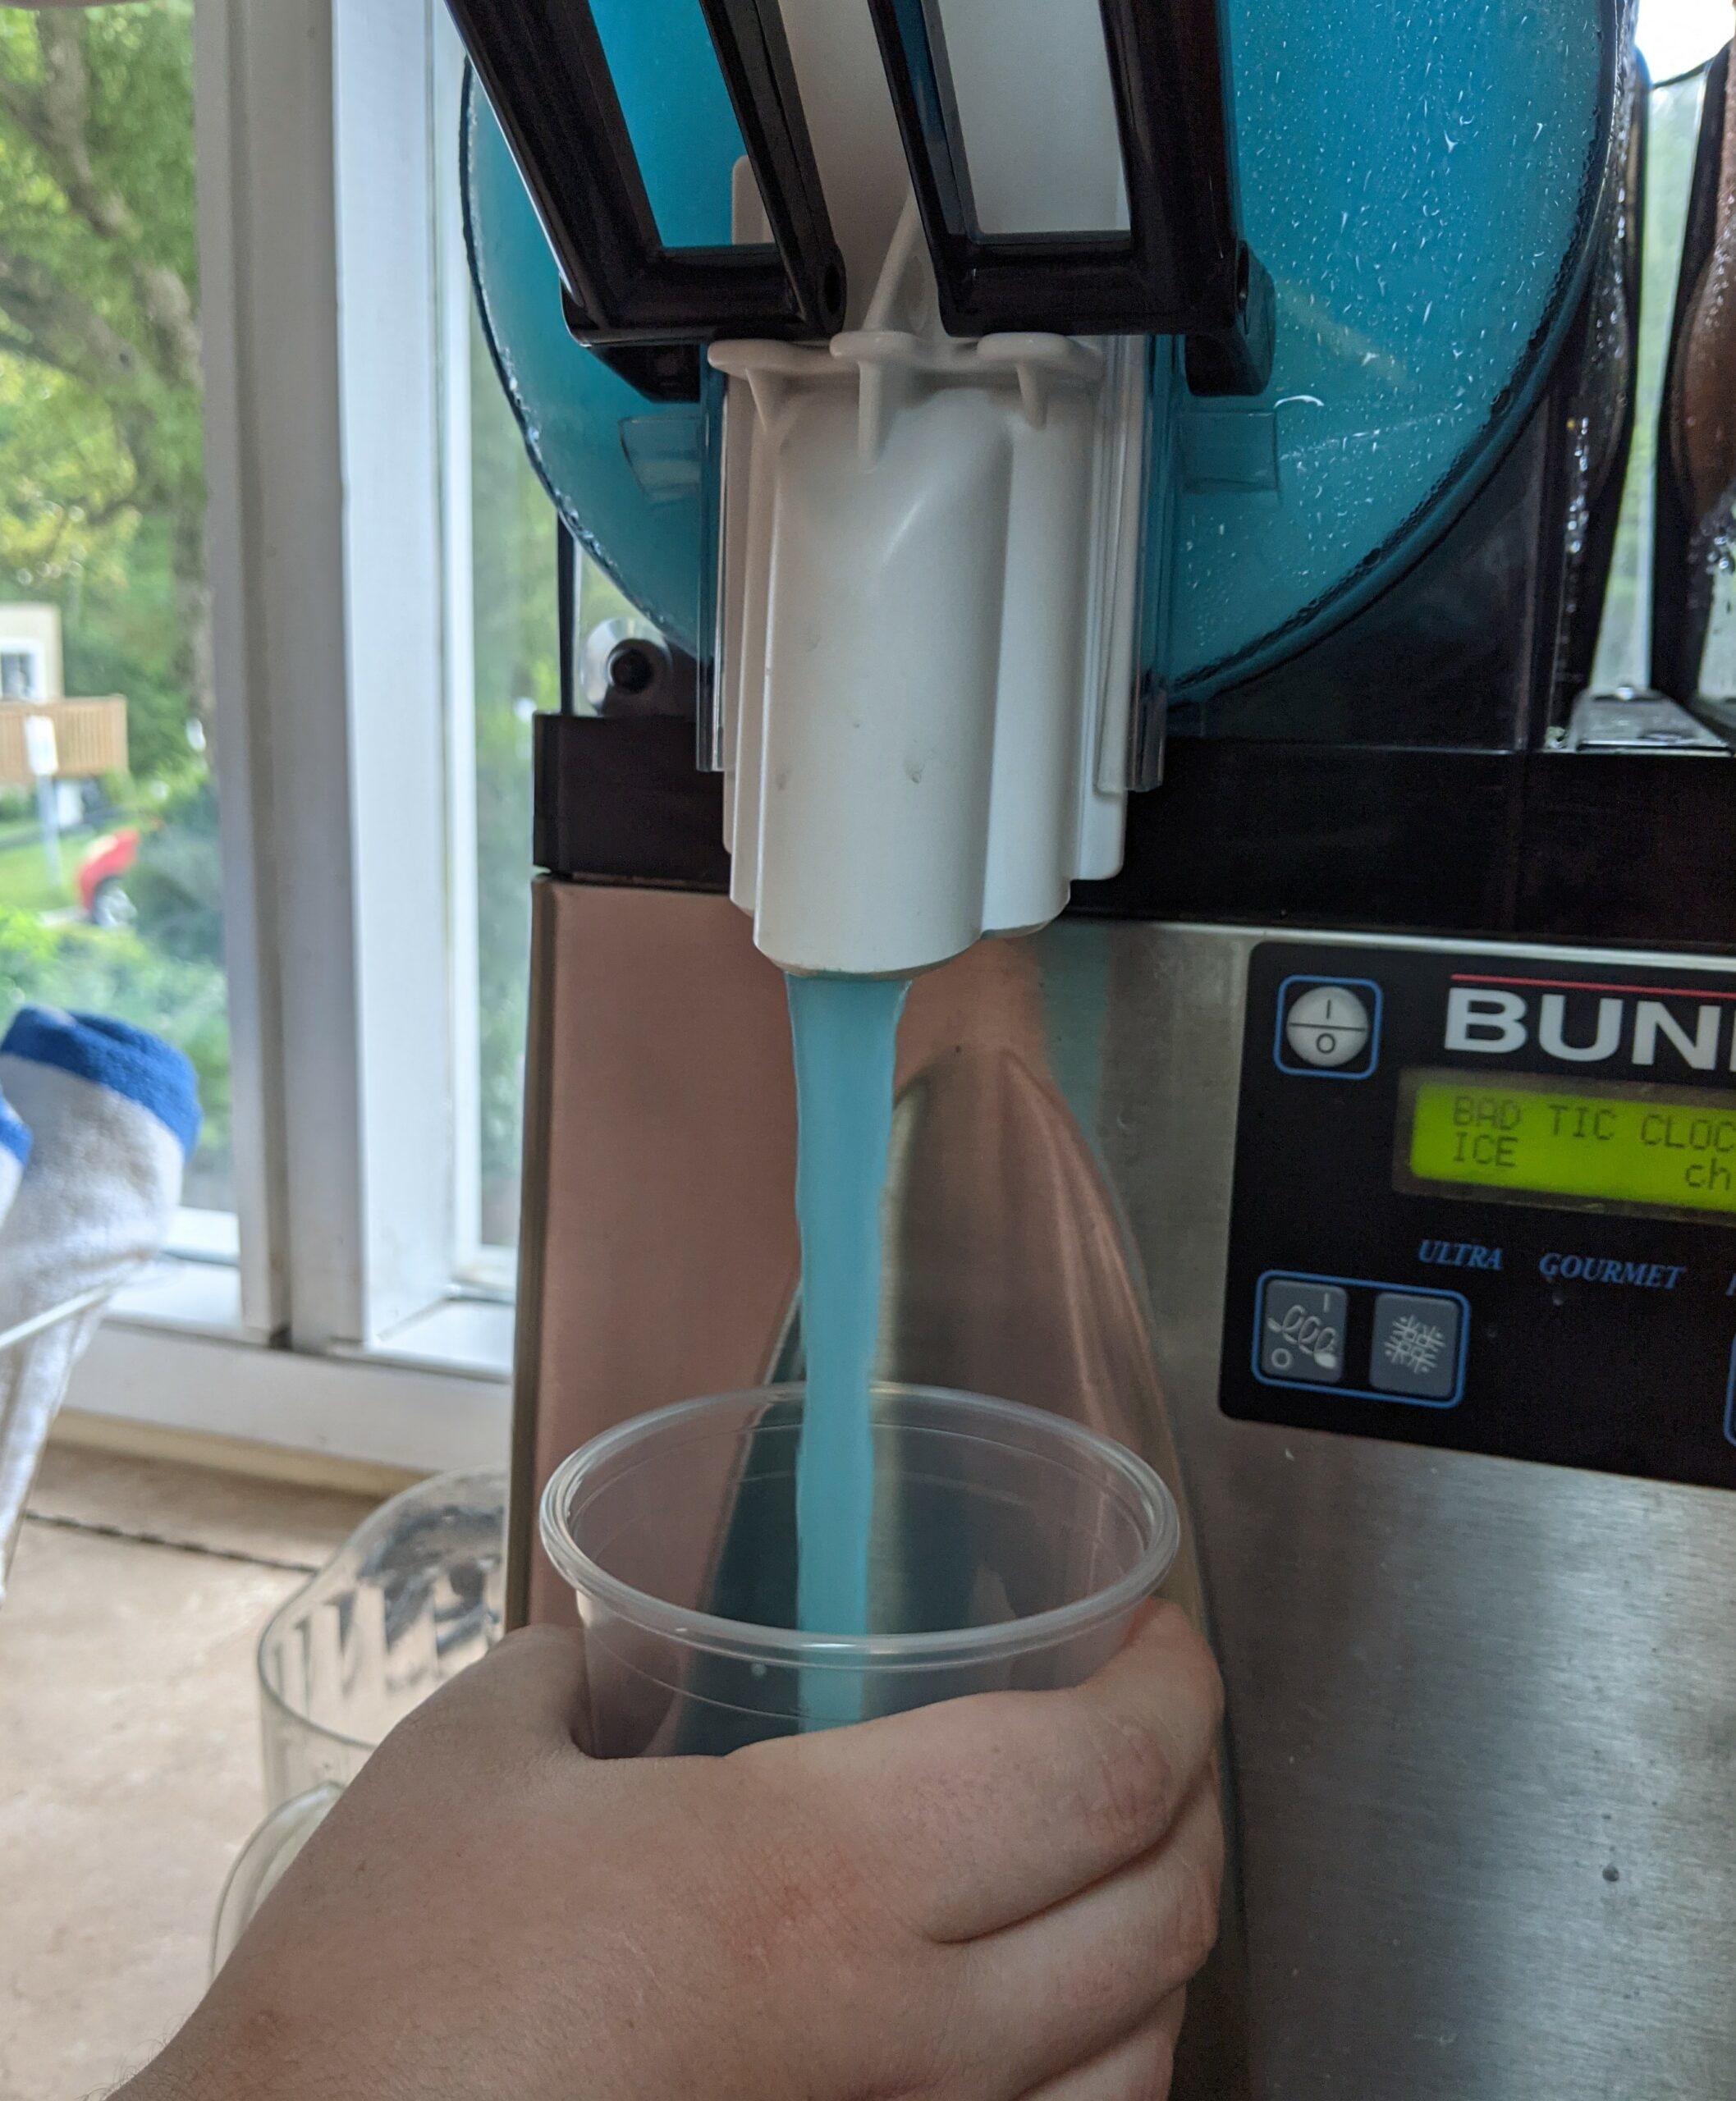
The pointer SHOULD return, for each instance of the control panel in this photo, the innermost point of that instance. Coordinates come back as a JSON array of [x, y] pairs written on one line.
[[1487, 1201]]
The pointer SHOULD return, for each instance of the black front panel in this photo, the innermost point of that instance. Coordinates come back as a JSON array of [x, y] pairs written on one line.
[[1487, 1201], [1547, 848]]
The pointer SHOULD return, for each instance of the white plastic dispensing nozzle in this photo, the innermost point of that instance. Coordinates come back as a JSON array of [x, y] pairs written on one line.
[[929, 601]]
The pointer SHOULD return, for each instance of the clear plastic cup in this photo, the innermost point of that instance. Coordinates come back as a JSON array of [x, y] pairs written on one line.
[[1010, 1550]]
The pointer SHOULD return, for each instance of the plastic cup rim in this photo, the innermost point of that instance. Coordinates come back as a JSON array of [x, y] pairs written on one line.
[[787, 1646]]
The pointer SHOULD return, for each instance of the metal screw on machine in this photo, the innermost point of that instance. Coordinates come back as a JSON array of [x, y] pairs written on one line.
[[636, 667], [647, 678]]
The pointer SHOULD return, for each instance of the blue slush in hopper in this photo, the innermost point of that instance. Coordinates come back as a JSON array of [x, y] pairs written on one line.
[[1423, 184]]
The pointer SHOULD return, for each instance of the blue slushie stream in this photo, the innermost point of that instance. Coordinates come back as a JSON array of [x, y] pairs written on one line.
[[845, 1032]]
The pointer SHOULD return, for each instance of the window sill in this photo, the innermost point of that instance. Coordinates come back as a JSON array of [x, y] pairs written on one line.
[[172, 1356], [198, 1236], [464, 1336], [193, 1297]]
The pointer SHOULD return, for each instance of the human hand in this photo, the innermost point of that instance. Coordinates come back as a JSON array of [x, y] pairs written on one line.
[[993, 1900]]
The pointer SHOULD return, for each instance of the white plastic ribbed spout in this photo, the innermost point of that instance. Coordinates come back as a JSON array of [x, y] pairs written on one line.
[[929, 597]]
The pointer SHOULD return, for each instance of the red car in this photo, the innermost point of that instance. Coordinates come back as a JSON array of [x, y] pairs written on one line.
[[102, 879]]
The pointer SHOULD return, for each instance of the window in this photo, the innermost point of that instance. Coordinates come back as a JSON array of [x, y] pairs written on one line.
[[265, 523], [110, 885], [515, 674], [515, 622], [335, 648], [503, 629], [1674, 37], [22, 676]]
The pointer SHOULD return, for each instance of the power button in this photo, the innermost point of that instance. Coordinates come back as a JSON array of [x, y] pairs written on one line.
[[1328, 1028]]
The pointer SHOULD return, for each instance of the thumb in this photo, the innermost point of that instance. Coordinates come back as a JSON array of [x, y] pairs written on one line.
[[526, 1695]]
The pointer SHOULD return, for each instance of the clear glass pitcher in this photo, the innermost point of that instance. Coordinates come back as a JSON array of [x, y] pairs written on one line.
[[414, 1597]]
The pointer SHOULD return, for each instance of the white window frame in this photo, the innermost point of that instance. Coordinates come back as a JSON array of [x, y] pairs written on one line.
[[327, 145], [452, 300]]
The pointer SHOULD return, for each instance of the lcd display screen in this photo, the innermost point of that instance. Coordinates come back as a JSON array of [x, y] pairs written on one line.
[[1649, 1151]]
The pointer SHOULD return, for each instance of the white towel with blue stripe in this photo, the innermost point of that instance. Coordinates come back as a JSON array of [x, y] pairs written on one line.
[[15, 1151], [112, 1114]]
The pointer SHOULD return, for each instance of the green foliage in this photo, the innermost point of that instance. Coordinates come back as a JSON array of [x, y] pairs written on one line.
[[601, 599], [102, 496], [176, 883], [124, 636], [101, 480], [65, 479], [76, 966], [516, 673], [503, 881], [26, 885], [517, 676], [97, 194], [1624, 653]]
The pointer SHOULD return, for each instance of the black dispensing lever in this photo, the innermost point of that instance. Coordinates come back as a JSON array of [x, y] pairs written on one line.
[[1182, 268], [644, 305]]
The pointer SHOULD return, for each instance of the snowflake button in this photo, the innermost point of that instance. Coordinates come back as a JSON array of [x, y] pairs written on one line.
[[1416, 1347]]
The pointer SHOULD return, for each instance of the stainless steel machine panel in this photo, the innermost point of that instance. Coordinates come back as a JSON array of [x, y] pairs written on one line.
[[1483, 1713]]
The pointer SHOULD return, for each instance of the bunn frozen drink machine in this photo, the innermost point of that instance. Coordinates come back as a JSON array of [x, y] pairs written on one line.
[[1143, 480]]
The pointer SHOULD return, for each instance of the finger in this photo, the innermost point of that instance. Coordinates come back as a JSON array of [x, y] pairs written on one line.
[[1067, 1985], [982, 1812], [1138, 2068], [528, 1692]]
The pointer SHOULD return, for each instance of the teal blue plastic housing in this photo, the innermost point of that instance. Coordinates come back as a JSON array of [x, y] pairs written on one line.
[[1421, 181]]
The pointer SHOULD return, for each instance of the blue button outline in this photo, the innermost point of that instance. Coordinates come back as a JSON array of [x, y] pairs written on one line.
[[1730, 1400], [1404, 1290], [1328, 1071]]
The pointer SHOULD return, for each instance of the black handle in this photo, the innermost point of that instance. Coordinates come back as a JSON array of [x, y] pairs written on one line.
[[547, 77], [1183, 269]]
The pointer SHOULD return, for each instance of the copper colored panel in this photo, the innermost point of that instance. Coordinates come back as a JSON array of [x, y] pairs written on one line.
[[659, 1252]]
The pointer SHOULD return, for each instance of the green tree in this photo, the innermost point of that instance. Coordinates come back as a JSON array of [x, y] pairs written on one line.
[[100, 452], [513, 532], [517, 669]]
